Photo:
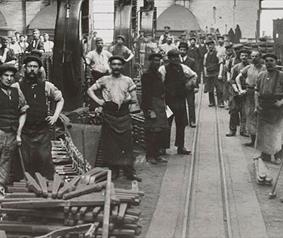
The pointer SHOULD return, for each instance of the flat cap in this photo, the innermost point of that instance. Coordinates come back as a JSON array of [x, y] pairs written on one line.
[[245, 51], [193, 38], [117, 57], [173, 53], [270, 56], [183, 45], [209, 42], [121, 37], [7, 67], [31, 58], [153, 55], [98, 39]]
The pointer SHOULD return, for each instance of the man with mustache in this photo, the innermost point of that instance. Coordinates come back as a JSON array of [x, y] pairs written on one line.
[[246, 82], [269, 106], [13, 109], [118, 93], [36, 148]]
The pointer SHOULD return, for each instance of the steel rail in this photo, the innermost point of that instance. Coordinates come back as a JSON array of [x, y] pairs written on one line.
[[224, 188]]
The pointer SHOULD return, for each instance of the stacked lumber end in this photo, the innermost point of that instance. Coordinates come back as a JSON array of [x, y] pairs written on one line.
[[87, 206], [138, 129]]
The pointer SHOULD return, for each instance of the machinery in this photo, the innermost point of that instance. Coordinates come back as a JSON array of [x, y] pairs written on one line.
[[148, 16], [67, 73]]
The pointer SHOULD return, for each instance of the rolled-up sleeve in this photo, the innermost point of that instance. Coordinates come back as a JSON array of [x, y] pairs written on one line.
[[188, 72], [53, 92], [132, 85], [162, 71], [23, 106]]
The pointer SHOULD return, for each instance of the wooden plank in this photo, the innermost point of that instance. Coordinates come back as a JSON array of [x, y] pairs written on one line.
[[3, 234], [32, 184], [90, 233], [68, 187], [122, 210], [107, 204], [43, 184], [85, 190], [57, 183]]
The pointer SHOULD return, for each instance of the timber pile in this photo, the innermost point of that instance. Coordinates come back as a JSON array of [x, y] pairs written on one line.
[[87, 206]]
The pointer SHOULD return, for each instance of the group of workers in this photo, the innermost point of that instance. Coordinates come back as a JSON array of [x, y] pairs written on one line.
[[249, 83]]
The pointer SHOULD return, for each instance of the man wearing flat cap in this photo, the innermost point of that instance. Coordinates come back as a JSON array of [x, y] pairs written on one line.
[[35, 43], [269, 106], [236, 101], [211, 64], [36, 147], [165, 35], [118, 94], [121, 50], [13, 109], [154, 107], [176, 77]]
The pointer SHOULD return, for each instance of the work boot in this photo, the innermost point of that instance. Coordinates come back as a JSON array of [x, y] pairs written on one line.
[[183, 151], [221, 105], [252, 143], [162, 160], [231, 133], [244, 134], [193, 125], [162, 152], [151, 160], [211, 104]]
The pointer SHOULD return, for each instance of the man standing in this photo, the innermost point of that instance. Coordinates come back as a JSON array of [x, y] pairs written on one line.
[[12, 118], [7, 55], [121, 50], [169, 45], [36, 43], [163, 37], [211, 73], [14, 45], [194, 52], [269, 105], [220, 48], [48, 45], [118, 92], [190, 62], [97, 59], [176, 77], [246, 82], [236, 109], [36, 136], [153, 105]]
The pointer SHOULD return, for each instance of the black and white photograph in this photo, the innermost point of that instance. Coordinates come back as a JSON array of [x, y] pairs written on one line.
[[141, 118]]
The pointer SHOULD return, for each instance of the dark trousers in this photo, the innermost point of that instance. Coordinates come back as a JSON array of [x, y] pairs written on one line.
[[180, 132], [212, 83], [153, 143], [191, 106], [237, 115]]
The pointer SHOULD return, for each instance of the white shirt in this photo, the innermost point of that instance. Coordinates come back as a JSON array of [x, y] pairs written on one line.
[[48, 46], [98, 62], [16, 48]]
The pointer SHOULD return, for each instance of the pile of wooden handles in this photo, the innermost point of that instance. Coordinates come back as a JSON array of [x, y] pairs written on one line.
[[88, 205]]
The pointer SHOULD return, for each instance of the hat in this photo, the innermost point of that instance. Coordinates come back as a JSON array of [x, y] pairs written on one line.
[[202, 37], [208, 42], [121, 37], [245, 51], [183, 45], [270, 55], [116, 57], [33, 58], [173, 52], [193, 38], [237, 46], [7, 67], [151, 56], [99, 39], [220, 37]]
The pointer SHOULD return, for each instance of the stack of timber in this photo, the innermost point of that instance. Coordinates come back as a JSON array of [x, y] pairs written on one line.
[[263, 176], [87, 206]]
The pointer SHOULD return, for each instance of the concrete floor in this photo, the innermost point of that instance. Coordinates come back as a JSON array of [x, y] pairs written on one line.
[[253, 215]]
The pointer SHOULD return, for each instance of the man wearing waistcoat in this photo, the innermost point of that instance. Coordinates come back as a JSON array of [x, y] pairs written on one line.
[[36, 148], [13, 109], [175, 77]]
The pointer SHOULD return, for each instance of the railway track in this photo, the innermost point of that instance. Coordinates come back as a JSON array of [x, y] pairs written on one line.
[[207, 208]]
